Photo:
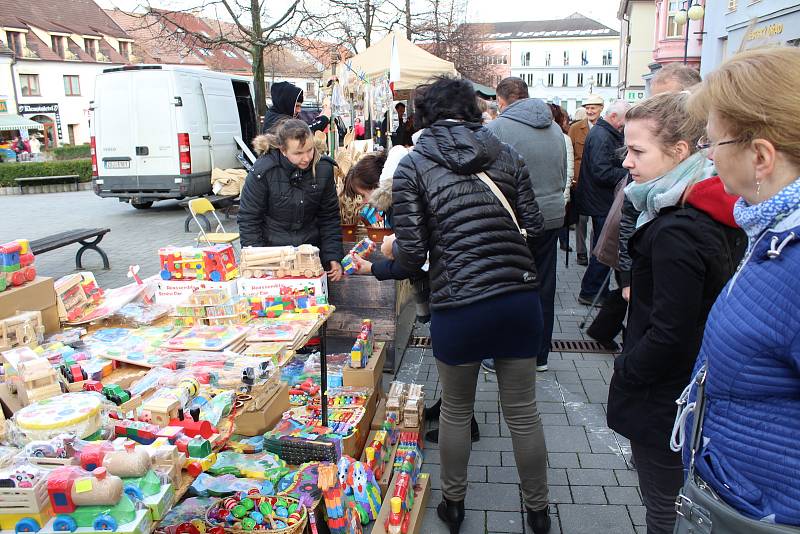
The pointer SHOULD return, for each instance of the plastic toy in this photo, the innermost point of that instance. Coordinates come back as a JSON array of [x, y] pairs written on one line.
[[24, 329], [252, 510], [23, 499], [363, 249], [261, 262], [216, 263], [16, 264], [362, 349], [75, 413], [210, 338]]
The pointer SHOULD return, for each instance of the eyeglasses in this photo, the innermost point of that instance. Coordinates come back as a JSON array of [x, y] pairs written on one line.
[[703, 143]]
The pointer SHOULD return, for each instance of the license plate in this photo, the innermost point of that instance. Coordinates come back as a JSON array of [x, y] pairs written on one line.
[[118, 164]]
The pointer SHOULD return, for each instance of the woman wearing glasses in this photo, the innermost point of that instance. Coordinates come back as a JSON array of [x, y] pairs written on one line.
[[684, 250], [748, 453]]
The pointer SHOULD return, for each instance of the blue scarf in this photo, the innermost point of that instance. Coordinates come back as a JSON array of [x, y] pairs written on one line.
[[651, 197], [756, 219]]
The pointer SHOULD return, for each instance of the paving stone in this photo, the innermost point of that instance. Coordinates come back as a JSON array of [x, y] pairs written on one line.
[[568, 377], [566, 439], [623, 495], [489, 431], [596, 390], [562, 459], [508, 458], [489, 458], [504, 522], [492, 417], [503, 475], [496, 497], [604, 441], [560, 494], [589, 373], [588, 495], [554, 419], [591, 477], [550, 407], [594, 519], [637, 514], [627, 477], [557, 477], [605, 461], [474, 522], [493, 444]]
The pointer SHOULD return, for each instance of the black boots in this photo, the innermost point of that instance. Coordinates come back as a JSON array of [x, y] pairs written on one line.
[[432, 413], [452, 513], [539, 521], [433, 435]]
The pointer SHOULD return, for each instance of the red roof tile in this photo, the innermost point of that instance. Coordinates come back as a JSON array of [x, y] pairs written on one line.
[[150, 44], [83, 17]]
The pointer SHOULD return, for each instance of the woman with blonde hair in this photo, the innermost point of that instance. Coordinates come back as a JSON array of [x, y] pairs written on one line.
[[745, 447], [683, 251]]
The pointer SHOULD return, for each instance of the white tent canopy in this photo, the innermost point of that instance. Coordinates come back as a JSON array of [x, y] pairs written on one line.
[[416, 66]]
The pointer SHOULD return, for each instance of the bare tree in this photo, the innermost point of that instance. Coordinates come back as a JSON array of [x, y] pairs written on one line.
[[253, 30], [355, 21]]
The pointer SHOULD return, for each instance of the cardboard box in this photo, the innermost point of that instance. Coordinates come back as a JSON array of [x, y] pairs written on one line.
[[422, 494], [264, 411], [271, 287], [173, 292], [370, 376], [39, 295], [380, 415]]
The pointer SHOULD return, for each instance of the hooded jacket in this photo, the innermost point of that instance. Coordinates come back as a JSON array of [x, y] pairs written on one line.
[[681, 261], [528, 126], [283, 205], [441, 207], [601, 170], [284, 98]]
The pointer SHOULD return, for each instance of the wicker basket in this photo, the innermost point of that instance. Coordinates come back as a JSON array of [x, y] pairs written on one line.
[[297, 528]]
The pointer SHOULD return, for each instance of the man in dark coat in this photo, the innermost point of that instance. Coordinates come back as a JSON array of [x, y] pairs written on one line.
[[287, 100], [601, 170]]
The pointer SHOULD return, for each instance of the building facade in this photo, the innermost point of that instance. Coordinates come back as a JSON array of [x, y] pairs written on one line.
[[59, 48], [673, 42], [562, 60], [637, 41], [734, 25], [8, 97]]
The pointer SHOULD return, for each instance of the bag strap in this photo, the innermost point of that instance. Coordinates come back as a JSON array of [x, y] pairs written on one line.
[[502, 198], [699, 415]]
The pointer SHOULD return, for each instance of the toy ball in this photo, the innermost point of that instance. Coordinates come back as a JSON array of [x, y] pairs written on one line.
[[239, 511], [222, 514], [265, 508]]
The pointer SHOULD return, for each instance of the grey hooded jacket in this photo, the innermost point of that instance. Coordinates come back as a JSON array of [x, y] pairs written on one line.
[[527, 125]]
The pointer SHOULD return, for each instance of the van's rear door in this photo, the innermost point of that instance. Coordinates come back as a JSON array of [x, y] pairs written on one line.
[[114, 135]]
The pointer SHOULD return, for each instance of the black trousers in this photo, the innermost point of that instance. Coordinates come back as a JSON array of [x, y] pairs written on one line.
[[545, 257], [660, 479], [611, 317]]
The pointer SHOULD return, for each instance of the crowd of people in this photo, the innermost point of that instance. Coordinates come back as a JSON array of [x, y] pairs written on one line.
[[693, 199]]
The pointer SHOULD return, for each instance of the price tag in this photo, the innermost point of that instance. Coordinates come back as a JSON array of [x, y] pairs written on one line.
[[83, 485]]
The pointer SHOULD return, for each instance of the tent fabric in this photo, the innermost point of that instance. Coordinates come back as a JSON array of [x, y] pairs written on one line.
[[416, 65], [15, 122]]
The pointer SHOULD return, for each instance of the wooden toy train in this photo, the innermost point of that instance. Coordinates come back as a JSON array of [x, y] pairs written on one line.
[[16, 264], [280, 262]]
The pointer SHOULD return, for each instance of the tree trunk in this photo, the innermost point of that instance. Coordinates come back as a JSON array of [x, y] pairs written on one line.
[[257, 51], [367, 23], [408, 19]]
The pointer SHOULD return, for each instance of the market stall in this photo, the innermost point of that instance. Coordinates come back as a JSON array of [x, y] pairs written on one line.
[[200, 399]]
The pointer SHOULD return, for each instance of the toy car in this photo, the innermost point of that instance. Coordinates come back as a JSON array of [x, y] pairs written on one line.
[[93, 385], [116, 394], [74, 373]]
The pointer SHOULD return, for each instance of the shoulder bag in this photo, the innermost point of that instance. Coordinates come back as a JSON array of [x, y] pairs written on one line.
[[502, 198], [699, 509]]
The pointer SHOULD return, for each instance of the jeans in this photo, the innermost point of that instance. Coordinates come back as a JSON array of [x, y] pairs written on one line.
[[516, 378], [581, 228], [545, 256], [594, 279], [660, 479]]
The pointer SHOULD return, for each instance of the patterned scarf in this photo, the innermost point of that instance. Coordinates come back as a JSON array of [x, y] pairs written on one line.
[[651, 197], [756, 219]]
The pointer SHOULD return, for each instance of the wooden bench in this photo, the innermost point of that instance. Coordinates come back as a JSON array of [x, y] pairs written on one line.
[[223, 203], [82, 236], [28, 180]]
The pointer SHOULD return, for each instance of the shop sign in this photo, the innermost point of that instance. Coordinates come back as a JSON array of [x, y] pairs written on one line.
[[764, 32], [35, 109]]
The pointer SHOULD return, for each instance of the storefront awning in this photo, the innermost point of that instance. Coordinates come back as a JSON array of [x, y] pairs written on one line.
[[15, 122]]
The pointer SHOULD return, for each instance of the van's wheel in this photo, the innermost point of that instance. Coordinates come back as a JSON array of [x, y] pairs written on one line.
[[142, 205]]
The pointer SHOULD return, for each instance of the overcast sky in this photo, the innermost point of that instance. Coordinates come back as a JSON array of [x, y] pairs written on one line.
[[478, 11]]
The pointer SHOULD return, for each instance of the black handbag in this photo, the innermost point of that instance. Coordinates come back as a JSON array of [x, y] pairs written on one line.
[[699, 509]]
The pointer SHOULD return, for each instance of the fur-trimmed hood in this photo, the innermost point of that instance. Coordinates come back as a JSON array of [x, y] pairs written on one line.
[[381, 198]]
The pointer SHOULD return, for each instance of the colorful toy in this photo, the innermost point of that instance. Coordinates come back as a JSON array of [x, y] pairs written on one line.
[[402, 500], [362, 349], [61, 450], [24, 329], [280, 262], [216, 263], [297, 443], [377, 451], [265, 467], [366, 493], [23, 499], [30, 376], [254, 511], [16, 264], [78, 294], [75, 413], [362, 249], [209, 338]]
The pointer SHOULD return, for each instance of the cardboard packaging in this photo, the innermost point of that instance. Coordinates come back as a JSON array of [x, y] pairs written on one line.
[[39, 295], [370, 376], [174, 292], [422, 494], [264, 411], [271, 287]]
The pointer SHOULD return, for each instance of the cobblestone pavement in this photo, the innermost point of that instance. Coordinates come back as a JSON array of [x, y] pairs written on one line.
[[592, 486]]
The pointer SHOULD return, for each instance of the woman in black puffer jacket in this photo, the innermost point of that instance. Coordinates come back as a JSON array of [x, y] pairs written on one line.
[[484, 299]]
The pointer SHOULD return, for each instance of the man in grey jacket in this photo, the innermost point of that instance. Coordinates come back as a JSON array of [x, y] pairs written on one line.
[[527, 125]]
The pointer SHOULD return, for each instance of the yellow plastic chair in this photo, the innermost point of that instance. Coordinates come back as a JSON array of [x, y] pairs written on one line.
[[202, 206]]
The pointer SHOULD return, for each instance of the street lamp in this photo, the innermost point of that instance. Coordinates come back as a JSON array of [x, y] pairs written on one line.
[[694, 12]]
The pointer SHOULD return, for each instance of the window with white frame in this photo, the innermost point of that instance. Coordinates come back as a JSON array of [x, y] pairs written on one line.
[[584, 57], [525, 59], [57, 42], [547, 59], [566, 57], [579, 81], [311, 89], [607, 57], [72, 85], [550, 78], [599, 79], [673, 28], [565, 79], [125, 49], [91, 47], [15, 42], [608, 79], [230, 54], [29, 85], [204, 52]]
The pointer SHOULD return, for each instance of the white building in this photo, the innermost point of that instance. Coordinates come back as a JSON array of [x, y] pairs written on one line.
[[562, 60], [59, 49]]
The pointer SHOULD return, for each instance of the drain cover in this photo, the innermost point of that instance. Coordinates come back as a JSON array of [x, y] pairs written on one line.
[[578, 345], [420, 342]]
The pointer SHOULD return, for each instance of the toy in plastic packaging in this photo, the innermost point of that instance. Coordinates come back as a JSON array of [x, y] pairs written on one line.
[[81, 414], [141, 313]]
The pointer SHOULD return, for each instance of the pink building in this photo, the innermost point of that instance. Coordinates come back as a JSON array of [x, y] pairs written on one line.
[[670, 37], [498, 60]]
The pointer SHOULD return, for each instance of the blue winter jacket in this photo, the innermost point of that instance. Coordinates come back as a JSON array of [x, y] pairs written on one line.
[[750, 452]]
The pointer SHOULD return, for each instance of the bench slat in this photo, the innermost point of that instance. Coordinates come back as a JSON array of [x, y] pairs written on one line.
[[53, 242], [42, 178]]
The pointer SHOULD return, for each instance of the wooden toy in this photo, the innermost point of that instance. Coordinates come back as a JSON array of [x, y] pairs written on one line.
[[363, 249], [402, 498], [77, 295], [362, 349], [30, 376], [395, 401], [24, 329], [216, 263], [212, 307], [280, 262], [414, 406], [337, 503], [366, 494], [61, 450], [16, 264], [24, 506]]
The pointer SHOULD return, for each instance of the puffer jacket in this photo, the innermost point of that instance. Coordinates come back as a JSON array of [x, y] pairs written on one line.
[[282, 205], [749, 453], [441, 207], [285, 96]]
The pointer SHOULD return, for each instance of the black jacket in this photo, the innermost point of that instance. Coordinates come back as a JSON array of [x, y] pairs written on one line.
[[282, 205], [681, 261], [284, 97], [441, 207], [627, 225], [601, 170]]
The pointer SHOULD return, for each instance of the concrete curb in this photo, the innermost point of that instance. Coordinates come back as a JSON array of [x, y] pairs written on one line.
[[42, 189]]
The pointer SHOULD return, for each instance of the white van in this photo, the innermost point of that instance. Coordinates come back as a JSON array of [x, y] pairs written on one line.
[[158, 131]]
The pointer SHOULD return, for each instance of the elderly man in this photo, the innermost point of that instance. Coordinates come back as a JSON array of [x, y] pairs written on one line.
[[672, 78], [601, 170], [592, 108]]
